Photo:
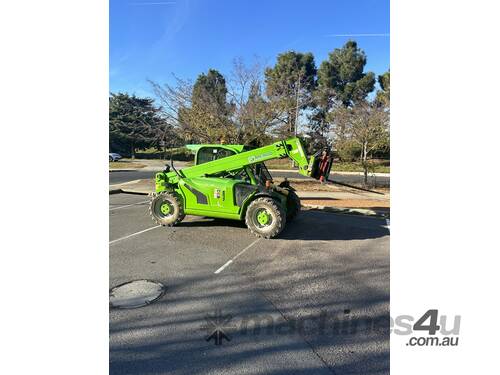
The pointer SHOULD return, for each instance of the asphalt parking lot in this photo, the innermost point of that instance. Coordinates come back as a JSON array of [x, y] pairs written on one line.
[[316, 299]]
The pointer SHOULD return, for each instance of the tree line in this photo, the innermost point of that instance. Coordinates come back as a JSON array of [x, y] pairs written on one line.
[[333, 105]]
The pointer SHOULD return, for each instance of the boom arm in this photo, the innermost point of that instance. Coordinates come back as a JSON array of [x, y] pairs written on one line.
[[291, 148]]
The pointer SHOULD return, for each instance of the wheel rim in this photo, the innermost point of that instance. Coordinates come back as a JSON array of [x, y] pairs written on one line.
[[263, 218], [165, 208]]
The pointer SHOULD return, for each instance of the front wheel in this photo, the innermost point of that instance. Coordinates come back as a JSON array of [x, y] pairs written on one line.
[[265, 217], [166, 208]]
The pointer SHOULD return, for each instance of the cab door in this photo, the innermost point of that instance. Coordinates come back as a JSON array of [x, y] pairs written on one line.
[[222, 195]]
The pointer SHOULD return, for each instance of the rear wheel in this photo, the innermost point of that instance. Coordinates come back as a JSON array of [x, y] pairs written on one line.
[[265, 218], [166, 208], [292, 205]]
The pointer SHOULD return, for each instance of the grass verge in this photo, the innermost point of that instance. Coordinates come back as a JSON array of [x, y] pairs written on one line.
[[375, 167], [125, 165]]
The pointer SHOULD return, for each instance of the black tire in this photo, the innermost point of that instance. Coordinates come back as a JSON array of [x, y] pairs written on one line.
[[272, 209], [111, 158], [292, 205], [175, 208]]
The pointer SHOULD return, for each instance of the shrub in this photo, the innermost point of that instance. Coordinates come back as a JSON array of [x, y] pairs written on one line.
[[180, 154]]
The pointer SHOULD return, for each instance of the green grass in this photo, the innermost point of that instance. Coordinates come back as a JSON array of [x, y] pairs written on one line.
[[179, 153], [151, 150], [125, 165], [376, 167], [154, 150], [279, 164]]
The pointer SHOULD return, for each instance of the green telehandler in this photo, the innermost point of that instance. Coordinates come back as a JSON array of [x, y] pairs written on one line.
[[232, 182]]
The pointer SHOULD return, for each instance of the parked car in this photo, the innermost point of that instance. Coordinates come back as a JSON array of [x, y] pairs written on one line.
[[113, 156]]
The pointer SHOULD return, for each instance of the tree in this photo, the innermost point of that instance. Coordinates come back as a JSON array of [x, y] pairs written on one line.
[[342, 84], [253, 114], [214, 109], [384, 94], [209, 112], [199, 111], [341, 78], [211, 87], [364, 126], [319, 129], [290, 84], [133, 123]]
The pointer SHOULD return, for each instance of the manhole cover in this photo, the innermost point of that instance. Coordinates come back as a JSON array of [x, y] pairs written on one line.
[[135, 294]]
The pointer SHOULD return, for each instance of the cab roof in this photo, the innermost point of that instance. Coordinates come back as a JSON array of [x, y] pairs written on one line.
[[235, 148]]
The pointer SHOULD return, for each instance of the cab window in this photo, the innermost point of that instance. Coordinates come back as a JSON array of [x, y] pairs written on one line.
[[207, 154]]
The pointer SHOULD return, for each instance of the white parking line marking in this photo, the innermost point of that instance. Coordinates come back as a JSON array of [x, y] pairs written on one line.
[[224, 266], [128, 205], [124, 183], [133, 234], [236, 256]]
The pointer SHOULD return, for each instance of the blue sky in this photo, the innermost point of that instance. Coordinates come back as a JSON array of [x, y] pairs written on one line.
[[151, 39]]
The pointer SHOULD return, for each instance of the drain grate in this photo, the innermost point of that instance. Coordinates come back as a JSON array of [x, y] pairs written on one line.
[[134, 294]]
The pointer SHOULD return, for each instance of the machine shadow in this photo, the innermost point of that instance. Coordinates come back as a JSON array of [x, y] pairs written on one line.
[[312, 225]]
